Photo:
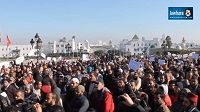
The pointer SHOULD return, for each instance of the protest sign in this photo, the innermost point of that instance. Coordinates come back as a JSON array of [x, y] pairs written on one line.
[[60, 58], [54, 59], [173, 55], [85, 57], [161, 62], [134, 65], [191, 54], [152, 58], [43, 55], [169, 54], [185, 55], [19, 60], [195, 56], [49, 58]]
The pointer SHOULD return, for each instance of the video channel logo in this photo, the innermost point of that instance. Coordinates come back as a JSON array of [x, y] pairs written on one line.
[[180, 13]]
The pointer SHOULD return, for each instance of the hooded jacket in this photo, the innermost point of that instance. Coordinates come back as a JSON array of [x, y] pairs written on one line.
[[102, 101]]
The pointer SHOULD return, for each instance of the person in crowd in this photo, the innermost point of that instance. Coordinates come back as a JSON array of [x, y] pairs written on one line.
[[177, 105], [137, 79], [122, 87], [4, 101], [37, 89], [30, 96], [173, 91], [194, 85], [132, 105], [195, 88], [150, 89], [90, 86], [11, 108], [133, 87], [54, 108], [21, 104], [190, 102], [52, 102], [195, 72], [163, 91], [102, 99], [159, 104], [162, 79], [9, 89], [70, 93], [80, 103], [181, 81], [109, 79]]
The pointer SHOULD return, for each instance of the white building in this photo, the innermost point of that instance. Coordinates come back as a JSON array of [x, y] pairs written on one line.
[[15, 50], [138, 45], [66, 46], [99, 45], [186, 45]]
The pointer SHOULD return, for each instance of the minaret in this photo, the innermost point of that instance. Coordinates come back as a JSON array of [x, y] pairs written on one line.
[[183, 40], [143, 39], [73, 43], [87, 45], [110, 43], [183, 43]]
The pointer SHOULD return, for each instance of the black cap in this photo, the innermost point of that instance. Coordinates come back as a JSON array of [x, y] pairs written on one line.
[[99, 80]]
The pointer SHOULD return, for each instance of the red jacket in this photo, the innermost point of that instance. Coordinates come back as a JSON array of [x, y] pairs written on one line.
[[103, 101], [173, 98], [167, 101]]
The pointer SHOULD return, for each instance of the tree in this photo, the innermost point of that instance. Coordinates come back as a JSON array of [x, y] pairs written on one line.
[[164, 45], [99, 52], [168, 41], [152, 46]]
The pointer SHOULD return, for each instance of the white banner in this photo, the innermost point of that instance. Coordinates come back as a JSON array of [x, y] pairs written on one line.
[[43, 55], [85, 57], [5, 63], [54, 59], [49, 58], [185, 55], [19, 60]]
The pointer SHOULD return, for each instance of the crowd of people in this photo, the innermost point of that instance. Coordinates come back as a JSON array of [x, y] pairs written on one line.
[[102, 85]]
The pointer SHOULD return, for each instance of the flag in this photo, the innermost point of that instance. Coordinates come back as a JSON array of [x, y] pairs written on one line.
[[8, 42]]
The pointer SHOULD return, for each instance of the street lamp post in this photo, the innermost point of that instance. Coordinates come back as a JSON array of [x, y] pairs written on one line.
[[81, 49], [68, 49], [37, 40]]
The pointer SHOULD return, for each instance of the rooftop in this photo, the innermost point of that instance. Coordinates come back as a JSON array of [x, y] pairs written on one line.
[[135, 37]]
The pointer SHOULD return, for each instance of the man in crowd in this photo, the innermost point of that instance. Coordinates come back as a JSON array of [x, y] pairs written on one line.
[[70, 93], [190, 102], [52, 102], [102, 99], [9, 89], [80, 103]]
